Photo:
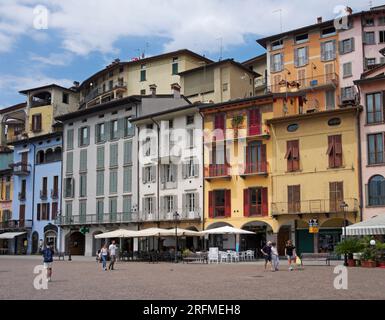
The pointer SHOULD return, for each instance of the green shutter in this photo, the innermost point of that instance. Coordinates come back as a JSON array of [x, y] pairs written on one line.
[[100, 210], [100, 157], [113, 181], [68, 209], [127, 179], [70, 162], [83, 160], [127, 208], [113, 155], [83, 186], [70, 139], [127, 152], [107, 132], [79, 137], [100, 183], [175, 68], [121, 128]]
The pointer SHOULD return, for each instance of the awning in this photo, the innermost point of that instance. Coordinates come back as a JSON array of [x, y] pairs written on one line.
[[120, 233], [373, 226], [10, 235], [180, 233], [226, 230]]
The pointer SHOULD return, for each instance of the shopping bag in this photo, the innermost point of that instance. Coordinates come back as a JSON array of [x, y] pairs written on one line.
[[298, 261]]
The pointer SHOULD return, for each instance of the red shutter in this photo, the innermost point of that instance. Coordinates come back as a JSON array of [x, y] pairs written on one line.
[[265, 202], [227, 203], [263, 164], [330, 151], [246, 202], [247, 162], [258, 120], [211, 204], [289, 156], [338, 150], [254, 122]]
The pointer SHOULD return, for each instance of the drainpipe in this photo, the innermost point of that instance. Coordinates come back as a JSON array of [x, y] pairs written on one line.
[[33, 186], [203, 179], [360, 193], [157, 170]]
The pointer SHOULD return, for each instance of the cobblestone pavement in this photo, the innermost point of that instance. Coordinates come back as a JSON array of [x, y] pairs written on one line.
[[83, 278]]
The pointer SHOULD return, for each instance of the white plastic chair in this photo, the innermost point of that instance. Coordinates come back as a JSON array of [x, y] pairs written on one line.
[[213, 255], [234, 256], [223, 256]]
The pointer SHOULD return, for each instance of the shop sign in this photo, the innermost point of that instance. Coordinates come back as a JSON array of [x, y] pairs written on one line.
[[313, 226]]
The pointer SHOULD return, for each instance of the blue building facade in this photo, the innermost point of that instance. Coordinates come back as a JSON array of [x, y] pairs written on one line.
[[37, 189]]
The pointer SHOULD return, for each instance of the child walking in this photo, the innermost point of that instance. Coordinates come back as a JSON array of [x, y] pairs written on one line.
[[274, 257]]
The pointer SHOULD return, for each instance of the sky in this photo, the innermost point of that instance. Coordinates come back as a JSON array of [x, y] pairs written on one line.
[[61, 41]]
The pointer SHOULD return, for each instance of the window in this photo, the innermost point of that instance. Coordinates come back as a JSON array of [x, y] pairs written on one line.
[[327, 32], [292, 127], [69, 162], [255, 202], [44, 188], [256, 158], [330, 99], [254, 123], [369, 22], [143, 92], [190, 169], [374, 108], [143, 72], [82, 211], [43, 211], [127, 179], [292, 155], [129, 129], [169, 172], [70, 139], [100, 132], [190, 138], [54, 210], [169, 204], [175, 66], [127, 157], [225, 87], [219, 203], [84, 136], [347, 69], [191, 200], [110, 85], [275, 45], [65, 98], [36, 122], [69, 187], [113, 181], [301, 38], [83, 161], [369, 38], [328, 50], [336, 196], [114, 155], [100, 157], [83, 185], [147, 147], [370, 62], [113, 206], [294, 199], [99, 183], [382, 36], [376, 191], [111, 73], [148, 174], [301, 56], [68, 211], [334, 151], [376, 148], [127, 207], [276, 62], [114, 129], [346, 46], [347, 94], [381, 21], [190, 119], [334, 122], [148, 205], [99, 210]]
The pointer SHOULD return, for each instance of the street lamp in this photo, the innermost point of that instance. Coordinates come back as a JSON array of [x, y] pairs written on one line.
[[176, 216], [69, 240], [344, 206]]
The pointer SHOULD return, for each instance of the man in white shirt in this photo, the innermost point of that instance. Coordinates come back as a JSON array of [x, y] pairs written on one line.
[[112, 251]]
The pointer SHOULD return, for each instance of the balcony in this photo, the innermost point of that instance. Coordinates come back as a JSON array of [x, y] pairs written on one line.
[[54, 194], [43, 194], [21, 169], [16, 225], [95, 96], [217, 171], [255, 169], [183, 215], [97, 219], [21, 196], [324, 206], [40, 103], [325, 81], [260, 83]]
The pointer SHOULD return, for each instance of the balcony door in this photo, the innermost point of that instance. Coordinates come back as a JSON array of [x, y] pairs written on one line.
[[22, 215], [294, 199], [336, 190], [254, 122], [255, 157]]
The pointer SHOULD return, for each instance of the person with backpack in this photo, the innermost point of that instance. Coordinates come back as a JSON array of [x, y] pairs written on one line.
[[48, 253], [290, 254], [266, 251]]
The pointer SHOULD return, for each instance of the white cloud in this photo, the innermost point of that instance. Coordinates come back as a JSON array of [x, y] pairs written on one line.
[[53, 59], [95, 25]]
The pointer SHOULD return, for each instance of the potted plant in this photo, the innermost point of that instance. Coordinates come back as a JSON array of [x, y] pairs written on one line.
[[349, 246], [236, 123], [381, 254], [368, 257]]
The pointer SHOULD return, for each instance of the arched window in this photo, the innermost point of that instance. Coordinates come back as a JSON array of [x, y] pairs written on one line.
[[57, 154], [40, 157], [49, 155], [376, 191]]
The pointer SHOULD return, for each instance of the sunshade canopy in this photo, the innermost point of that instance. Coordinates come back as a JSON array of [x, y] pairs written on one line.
[[120, 233], [226, 230], [180, 233], [373, 226], [10, 235]]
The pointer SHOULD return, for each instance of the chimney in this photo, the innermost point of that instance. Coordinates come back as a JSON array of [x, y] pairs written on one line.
[[349, 10], [175, 89], [76, 84], [153, 90], [319, 20]]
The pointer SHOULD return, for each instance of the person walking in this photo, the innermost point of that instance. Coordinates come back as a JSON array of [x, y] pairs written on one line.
[[266, 251], [274, 257], [290, 253], [112, 250], [103, 256], [48, 253]]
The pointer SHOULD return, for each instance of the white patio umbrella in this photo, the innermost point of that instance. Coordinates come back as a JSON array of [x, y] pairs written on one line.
[[120, 233], [226, 230], [180, 233], [150, 232]]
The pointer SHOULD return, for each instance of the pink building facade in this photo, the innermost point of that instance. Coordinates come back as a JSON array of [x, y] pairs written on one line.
[[372, 126]]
